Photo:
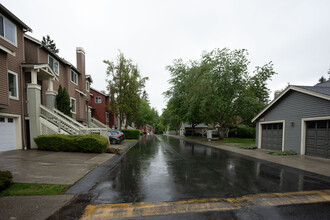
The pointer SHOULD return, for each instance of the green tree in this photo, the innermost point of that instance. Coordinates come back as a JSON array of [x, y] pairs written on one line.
[[218, 89], [322, 79], [125, 85], [185, 94], [49, 43], [63, 101]]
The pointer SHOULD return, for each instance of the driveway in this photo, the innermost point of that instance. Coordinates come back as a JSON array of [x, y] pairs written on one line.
[[34, 166]]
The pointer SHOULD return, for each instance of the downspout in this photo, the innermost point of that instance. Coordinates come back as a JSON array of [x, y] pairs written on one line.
[[22, 101], [23, 113]]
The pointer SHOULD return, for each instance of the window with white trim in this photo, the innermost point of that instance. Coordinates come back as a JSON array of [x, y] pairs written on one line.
[[7, 30], [54, 65], [73, 105], [74, 77], [87, 86], [13, 85], [107, 116], [98, 99]]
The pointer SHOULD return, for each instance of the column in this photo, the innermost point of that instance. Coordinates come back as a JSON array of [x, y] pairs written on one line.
[[33, 98], [89, 115], [50, 95]]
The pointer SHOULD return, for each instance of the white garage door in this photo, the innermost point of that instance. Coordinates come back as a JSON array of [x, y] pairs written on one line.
[[7, 134]]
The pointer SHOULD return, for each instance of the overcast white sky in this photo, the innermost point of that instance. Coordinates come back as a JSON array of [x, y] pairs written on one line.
[[294, 34]]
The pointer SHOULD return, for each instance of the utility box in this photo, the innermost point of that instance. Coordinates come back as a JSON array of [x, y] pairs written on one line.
[[209, 134]]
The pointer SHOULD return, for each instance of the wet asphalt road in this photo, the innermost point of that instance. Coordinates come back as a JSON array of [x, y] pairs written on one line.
[[161, 168], [166, 169]]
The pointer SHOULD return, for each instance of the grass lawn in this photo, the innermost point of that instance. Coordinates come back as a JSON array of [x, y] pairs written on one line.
[[130, 140], [18, 189]]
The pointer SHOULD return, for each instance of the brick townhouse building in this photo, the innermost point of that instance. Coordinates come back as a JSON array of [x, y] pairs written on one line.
[[30, 75], [100, 108]]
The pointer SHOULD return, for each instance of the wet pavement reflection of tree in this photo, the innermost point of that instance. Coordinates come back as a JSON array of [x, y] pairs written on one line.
[[162, 168]]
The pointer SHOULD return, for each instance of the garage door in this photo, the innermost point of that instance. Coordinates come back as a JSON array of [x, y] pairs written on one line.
[[317, 138], [7, 134], [271, 137]]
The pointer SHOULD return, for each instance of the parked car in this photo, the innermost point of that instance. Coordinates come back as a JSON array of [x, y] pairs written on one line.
[[215, 133], [191, 133], [122, 136], [114, 138]]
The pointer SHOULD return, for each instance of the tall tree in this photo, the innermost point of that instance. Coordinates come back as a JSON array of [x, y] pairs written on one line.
[[218, 89], [125, 85], [49, 43], [322, 79], [63, 101]]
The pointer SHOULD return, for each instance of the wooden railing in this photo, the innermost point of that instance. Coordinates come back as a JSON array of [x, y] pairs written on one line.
[[60, 122]]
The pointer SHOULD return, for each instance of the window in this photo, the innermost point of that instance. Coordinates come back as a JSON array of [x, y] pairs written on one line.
[[53, 64], [73, 105], [87, 86], [2, 119], [13, 85], [107, 116], [7, 30], [10, 120], [98, 99], [74, 77]]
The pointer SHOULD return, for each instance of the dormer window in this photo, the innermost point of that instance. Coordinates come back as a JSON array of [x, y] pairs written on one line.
[[54, 65], [7, 30], [74, 77]]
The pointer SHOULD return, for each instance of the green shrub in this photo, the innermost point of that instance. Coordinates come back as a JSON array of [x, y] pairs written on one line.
[[6, 179], [249, 147], [131, 133], [232, 133], [242, 131], [283, 153], [91, 143]]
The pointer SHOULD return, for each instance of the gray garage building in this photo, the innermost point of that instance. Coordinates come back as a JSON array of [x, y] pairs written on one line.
[[298, 119]]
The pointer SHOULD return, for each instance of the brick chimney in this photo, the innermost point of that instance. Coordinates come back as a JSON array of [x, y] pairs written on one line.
[[80, 60]]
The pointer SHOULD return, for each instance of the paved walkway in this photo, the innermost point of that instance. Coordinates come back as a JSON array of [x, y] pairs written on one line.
[[34, 166], [312, 164]]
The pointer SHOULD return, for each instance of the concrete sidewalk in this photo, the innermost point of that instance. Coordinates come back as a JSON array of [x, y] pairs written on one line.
[[308, 163], [34, 166]]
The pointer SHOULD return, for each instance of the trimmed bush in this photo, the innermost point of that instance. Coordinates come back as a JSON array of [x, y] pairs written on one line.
[[6, 179], [91, 143], [242, 131], [131, 133]]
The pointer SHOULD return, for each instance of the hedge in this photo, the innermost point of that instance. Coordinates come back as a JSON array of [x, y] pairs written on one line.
[[131, 133], [91, 143], [6, 179], [242, 131]]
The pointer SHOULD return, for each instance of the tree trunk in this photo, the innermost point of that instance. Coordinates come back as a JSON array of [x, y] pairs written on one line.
[[221, 132]]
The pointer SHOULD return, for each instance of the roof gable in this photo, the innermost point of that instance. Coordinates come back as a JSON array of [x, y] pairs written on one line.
[[316, 91], [13, 17]]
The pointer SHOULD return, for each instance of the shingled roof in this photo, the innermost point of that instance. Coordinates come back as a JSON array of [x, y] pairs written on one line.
[[320, 90]]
